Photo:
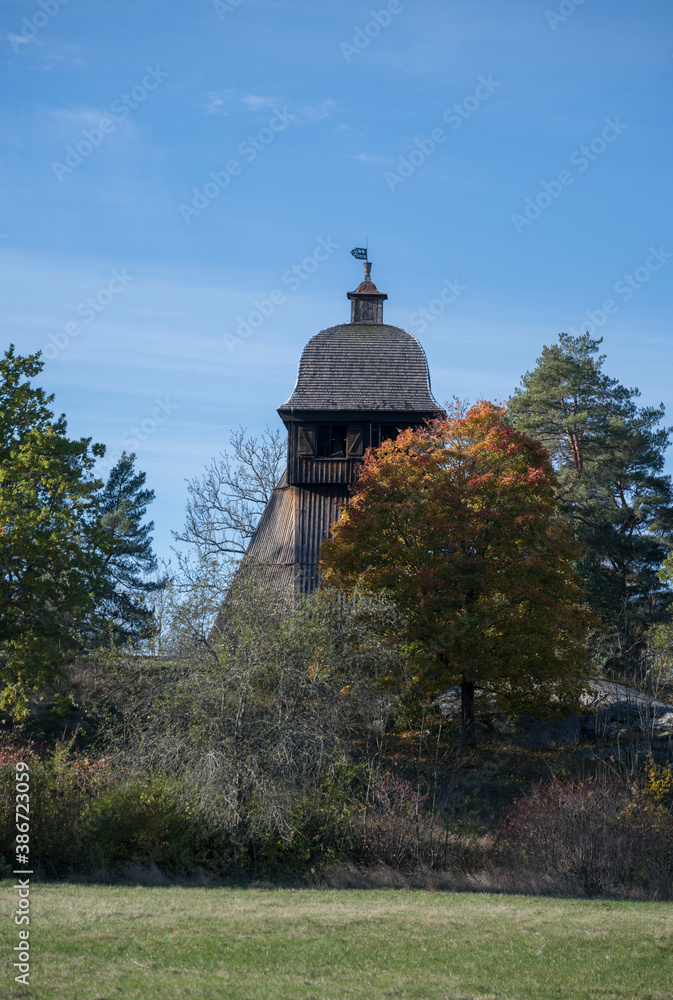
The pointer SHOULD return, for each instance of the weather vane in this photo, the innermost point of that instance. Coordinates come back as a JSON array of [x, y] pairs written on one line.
[[360, 253]]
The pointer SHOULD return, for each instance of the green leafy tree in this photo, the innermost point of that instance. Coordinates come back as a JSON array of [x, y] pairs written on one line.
[[453, 523], [608, 455], [50, 566], [128, 559]]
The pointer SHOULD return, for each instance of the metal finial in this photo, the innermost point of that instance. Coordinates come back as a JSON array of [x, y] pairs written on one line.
[[368, 270]]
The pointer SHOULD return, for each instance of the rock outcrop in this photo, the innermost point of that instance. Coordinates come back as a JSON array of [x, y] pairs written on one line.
[[620, 720]]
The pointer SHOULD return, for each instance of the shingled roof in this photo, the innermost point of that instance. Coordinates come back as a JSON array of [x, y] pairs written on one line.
[[363, 366]]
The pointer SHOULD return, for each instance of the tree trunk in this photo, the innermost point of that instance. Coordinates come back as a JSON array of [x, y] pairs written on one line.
[[469, 732]]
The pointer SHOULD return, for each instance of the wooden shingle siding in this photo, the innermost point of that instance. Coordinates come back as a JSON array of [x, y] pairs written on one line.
[[273, 542], [318, 510], [284, 552], [358, 366]]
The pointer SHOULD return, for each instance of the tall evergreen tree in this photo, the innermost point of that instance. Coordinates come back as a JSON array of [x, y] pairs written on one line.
[[74, 554], [51, 574], [609, 457], [126, 548]]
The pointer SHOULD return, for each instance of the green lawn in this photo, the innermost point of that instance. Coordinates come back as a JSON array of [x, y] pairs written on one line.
[[255, 944]]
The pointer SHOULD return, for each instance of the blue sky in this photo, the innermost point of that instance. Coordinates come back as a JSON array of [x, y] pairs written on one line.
[[516, 155]]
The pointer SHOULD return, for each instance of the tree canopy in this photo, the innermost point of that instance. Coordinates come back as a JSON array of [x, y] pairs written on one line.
[[126, 548], [454, 523], [72, 551], [51, 571], [608, 454]]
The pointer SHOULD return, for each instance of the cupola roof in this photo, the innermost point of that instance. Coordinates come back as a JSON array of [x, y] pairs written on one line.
[[363, 366]]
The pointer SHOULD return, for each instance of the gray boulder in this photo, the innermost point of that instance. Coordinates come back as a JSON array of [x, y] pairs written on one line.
[[616, 711], [531, 731]]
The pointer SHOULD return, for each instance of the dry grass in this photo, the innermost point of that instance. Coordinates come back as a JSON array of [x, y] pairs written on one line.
[[284, 944]]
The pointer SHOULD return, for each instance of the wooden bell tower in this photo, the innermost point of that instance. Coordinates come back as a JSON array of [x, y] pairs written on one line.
[[358, 384]]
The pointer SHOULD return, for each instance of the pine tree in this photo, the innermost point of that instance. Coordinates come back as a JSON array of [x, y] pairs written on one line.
[[608, 454], [126, 548]]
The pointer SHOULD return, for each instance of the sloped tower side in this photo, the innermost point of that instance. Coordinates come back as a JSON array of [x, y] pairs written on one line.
[[358, 384]]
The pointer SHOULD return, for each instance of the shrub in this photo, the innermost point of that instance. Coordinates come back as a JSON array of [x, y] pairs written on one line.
[[603, 834], [254, 733], [87, 815]]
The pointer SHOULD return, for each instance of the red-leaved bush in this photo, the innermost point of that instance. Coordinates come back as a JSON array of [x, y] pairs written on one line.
[[396, 825], [601, 833]]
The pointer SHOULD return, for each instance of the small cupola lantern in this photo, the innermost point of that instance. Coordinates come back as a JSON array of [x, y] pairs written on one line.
[[367, 301]]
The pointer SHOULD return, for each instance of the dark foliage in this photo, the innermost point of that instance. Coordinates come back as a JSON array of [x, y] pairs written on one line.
[[609, 458]]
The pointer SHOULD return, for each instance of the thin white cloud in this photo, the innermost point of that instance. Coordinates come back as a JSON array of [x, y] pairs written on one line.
[[317, 112], [369, 158], [68, 123], [255, 102], [67, 56], [224, 103], [79, 117], [17, 40], [217, 103], [63, 62]]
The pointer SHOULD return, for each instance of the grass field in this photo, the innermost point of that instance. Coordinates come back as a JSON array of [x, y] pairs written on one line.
[[91, 942]]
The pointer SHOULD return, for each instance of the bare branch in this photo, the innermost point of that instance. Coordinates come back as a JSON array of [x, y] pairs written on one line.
[[226, 503]]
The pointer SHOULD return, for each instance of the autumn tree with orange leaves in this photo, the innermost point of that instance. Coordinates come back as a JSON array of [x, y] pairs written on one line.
[[454, 523]]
